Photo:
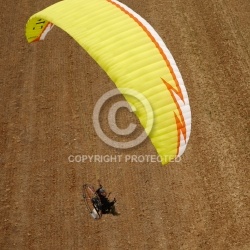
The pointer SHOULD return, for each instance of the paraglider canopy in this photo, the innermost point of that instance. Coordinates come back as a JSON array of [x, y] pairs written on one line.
[[134, 56]]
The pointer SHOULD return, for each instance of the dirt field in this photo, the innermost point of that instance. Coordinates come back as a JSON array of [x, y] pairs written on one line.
[[48, 91]]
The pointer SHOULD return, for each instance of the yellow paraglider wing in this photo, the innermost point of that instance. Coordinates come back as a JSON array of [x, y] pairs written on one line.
[[134, 56]]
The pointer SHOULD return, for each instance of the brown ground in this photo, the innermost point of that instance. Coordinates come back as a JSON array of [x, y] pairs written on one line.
[[48, 91]]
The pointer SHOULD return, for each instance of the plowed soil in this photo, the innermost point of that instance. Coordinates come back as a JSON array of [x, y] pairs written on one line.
[[48, 92]]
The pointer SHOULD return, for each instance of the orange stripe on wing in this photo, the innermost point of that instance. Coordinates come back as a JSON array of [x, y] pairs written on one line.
[[180, 123]]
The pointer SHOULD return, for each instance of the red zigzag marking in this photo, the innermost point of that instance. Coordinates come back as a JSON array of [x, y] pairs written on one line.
[[180, 123]]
